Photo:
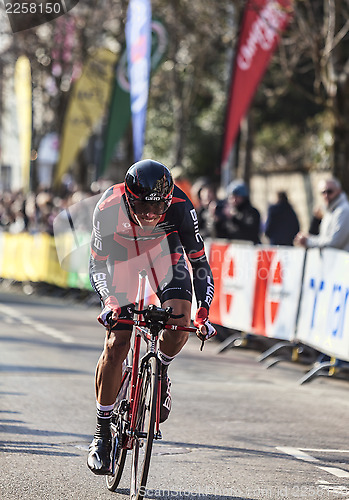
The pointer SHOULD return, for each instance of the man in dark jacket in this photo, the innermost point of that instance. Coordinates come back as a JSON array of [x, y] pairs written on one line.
[[236, 218], [282, 223]]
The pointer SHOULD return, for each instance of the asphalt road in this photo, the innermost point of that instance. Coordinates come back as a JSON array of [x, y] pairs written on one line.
[[236, 431]]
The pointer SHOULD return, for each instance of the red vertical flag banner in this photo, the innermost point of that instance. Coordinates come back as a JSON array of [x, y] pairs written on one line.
[[262, 25]]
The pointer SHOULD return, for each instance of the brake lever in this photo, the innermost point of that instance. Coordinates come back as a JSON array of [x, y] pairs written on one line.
[[200, 338]]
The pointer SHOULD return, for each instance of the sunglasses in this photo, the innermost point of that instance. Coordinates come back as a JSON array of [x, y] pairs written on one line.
[[327, 192], [148, 207]]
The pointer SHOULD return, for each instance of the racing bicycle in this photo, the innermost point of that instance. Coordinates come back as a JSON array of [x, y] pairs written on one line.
[[136, 416]]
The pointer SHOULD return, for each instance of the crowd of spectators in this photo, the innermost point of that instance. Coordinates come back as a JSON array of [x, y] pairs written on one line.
[[232, 217], [35, 212]]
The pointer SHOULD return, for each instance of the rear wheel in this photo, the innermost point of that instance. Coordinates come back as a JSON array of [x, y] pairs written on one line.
[[144, 430]]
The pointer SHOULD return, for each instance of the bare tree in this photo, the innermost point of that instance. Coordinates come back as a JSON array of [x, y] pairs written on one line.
[[199, 38], [319, 42]]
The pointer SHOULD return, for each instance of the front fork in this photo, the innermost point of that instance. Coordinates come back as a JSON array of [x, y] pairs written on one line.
[[157, 433]]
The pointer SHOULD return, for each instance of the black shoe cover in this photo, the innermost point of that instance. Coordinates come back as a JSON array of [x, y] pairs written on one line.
[[98, 459]]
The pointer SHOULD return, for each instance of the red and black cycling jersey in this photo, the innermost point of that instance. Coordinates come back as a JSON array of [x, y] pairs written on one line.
[[116, 238]]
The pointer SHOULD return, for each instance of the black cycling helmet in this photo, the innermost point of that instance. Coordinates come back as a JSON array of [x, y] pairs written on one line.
[[149, 182]]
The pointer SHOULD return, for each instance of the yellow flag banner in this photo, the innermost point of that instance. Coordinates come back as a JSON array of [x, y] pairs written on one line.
[[23, 92], [33, 257], [87, 107]]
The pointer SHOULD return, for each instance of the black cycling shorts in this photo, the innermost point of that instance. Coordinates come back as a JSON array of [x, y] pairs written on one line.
[[176, 284]]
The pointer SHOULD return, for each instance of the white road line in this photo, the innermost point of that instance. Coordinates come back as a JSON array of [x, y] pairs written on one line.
[[296, 453], [335, 471], [9, 311], [12, 313], [300, 455], [52, 332]]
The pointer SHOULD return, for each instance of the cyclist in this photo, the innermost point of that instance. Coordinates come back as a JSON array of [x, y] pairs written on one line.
[[144, 223]]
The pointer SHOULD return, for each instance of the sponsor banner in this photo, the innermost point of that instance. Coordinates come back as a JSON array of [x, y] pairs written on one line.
[[87, 106], [277, 290], [120, 107], [48, 153], [23, 91], [324, 315], [11, 164], [234, 273], [257, 289], [28, 257], [262, 25], [138, 43]]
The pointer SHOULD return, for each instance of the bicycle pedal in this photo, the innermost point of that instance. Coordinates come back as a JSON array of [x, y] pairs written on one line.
[[158, 435]]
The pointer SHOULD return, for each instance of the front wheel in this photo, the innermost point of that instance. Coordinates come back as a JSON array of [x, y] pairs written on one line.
[[118, 453], [114, 480], [144, 429]]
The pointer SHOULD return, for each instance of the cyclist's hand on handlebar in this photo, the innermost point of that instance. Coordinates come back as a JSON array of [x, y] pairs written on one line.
[[204, 328], [110, 311]]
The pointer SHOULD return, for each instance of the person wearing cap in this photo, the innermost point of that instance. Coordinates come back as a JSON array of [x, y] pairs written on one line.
[[334, 227], [237, 219]]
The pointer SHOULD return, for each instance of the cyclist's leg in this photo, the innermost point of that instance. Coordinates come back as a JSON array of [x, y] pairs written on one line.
[[170, 345], [109, 366], [107, 383], [177, 294]]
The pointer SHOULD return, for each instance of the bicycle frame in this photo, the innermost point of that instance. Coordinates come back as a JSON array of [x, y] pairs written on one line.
[[135, 362], [135, 382], [136, 378], [137, 416]]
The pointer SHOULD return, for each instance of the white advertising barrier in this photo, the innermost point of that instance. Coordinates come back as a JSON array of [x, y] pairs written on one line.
[[277, 291], [234, 273], [324, 316], [237, 287]]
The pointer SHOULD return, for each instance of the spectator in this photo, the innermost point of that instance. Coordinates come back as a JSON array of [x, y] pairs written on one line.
[[236, 218], [282, 223], [334, 228]]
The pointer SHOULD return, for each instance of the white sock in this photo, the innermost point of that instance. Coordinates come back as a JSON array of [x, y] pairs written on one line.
[[164, 358], [104, 411]]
